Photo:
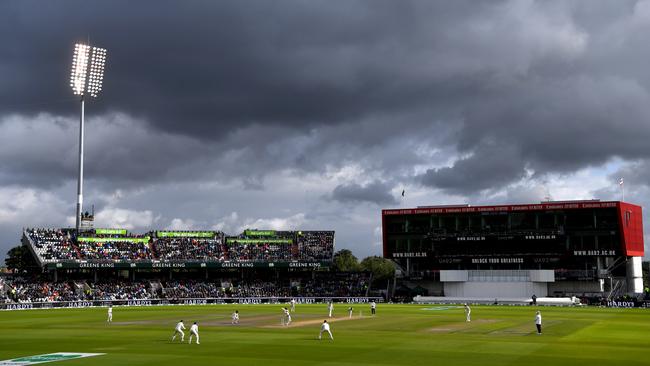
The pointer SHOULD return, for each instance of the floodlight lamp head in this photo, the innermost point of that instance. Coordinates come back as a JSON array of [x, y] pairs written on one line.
[[87, 70]]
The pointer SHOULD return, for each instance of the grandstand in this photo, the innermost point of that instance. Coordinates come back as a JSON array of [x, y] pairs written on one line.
[[100, 266], [116, 248], [229, 287], [570, 248]]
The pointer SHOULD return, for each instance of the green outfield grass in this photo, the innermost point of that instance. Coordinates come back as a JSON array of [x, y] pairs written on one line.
[[398, 335]]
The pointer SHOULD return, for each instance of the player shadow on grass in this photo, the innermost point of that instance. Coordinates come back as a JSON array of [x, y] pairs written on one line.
[[170, 342]]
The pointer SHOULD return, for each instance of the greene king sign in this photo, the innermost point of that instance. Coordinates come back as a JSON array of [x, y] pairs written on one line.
[[50, 357]]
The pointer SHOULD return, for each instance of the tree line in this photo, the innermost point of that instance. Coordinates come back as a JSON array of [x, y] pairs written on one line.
[[381, 268]]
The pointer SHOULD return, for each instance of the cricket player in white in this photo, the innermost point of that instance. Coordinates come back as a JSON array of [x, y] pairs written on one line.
[[179, 330], [110, 314], [468, 311], [194, 331], [350, 310], [330, 308], [287, 316], [325, 327], [538, 322], [235, 317], [293, 305]]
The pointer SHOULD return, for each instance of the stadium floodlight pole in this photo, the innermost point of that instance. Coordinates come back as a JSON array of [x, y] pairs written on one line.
[[85, 79]]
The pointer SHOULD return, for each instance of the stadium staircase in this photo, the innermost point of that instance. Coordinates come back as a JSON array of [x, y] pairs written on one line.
[[156, 287], [152, 250], [615, 264], [27, 241], [80, 287], [76, 249], [619, 287]]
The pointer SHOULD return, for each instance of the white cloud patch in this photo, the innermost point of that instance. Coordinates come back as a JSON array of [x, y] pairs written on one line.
[[125, 219], [180, 224], [28, 206], [378, 237], [228, 224], [233, 224], [294, 222]]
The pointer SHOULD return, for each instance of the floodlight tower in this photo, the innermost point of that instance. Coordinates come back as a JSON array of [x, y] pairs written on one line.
[[86, 79]]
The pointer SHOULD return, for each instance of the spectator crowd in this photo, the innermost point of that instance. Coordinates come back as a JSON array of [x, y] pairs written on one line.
[[114, 251], [21, 290], [52, 245], [189, 249]]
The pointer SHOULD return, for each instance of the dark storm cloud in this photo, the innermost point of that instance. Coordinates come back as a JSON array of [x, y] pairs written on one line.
[[206, 70], [636, 178], [562, 125], [551, 126], [375, 192], [489, 166], [460, 96], [203, 70], [38, 151]]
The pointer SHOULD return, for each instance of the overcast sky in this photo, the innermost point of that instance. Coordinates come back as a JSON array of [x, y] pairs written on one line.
[[317, 114]]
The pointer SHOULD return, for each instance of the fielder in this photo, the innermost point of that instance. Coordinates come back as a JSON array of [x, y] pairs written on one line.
[[468, 312], [538, 322], [110, 314], [194, 331], [287, 316], [350, 312], [330, 308], [235, 317], [293, 305], [179, 330], [325, 327]]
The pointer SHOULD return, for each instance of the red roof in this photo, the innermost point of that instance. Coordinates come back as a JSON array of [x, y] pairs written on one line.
[[564, 205]]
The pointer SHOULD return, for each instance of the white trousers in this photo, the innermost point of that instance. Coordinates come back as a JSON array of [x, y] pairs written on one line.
[[194, 334], [320, 335], [177, 332]]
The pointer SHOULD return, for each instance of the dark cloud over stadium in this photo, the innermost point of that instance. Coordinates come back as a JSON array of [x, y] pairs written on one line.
[[286, 113]]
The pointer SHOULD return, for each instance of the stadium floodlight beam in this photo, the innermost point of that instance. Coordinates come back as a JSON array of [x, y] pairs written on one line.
[[85, 79]]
